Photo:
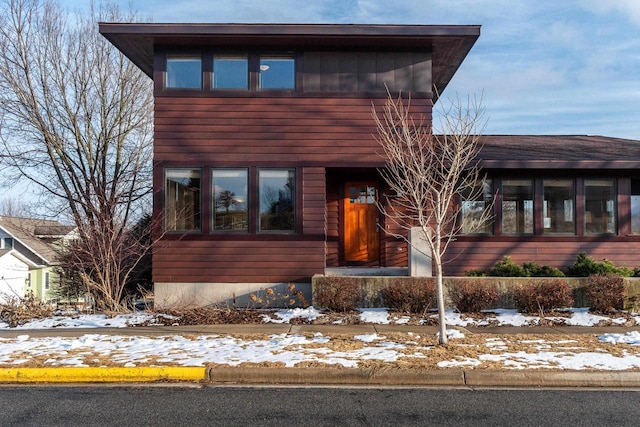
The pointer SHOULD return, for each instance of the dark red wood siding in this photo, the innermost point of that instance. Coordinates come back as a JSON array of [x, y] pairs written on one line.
[[237, 261], [260, 258], [472, 254], [307, 131]]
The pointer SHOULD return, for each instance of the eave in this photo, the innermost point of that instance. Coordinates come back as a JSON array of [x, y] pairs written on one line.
[[449, 44]]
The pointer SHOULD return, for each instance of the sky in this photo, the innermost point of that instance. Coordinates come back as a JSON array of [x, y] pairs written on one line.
[[541, 67]]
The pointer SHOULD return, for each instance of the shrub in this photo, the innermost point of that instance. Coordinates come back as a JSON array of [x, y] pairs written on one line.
[[539, 296], [270, 298], [475, 273], [473, 297], [605, 293], [532, 269], [506, 268], [338, 293], [585, 266], [17, 311], [411, 295]]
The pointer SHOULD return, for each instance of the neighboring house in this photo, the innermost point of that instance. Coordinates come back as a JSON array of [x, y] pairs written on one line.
[[29, 252], [265, 164]]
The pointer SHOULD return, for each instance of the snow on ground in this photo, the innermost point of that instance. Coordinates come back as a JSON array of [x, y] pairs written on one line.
[[612, 351], [497, 317]]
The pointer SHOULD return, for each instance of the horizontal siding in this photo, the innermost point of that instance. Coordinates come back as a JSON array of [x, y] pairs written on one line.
[[312, 131], [237, 261], [314, 201], [463, 256]]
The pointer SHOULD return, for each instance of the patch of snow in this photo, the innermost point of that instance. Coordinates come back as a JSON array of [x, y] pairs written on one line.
[[632, 338], [285, 315], [379, 316], [368, 337]]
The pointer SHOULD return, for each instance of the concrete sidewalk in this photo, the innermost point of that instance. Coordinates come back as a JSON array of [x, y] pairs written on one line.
[[319, 376], [285, 328]]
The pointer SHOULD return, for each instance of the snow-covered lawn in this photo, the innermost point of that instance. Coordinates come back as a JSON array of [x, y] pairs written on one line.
[[612, 351]]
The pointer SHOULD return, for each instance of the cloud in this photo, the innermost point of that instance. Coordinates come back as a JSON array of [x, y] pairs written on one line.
[[629, 9]]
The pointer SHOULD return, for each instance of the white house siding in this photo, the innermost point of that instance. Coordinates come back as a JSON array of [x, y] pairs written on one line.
[[13, 274]]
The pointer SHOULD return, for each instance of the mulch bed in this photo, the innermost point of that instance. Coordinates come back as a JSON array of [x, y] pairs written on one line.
[[223, 316]]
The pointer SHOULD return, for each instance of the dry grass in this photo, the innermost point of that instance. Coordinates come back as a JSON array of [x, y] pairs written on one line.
[[420, 352]]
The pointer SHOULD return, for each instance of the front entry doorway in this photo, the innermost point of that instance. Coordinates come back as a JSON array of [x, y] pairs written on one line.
[[361, 232]]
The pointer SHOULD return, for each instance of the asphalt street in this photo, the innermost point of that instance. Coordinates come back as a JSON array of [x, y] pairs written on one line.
[[178, 405]]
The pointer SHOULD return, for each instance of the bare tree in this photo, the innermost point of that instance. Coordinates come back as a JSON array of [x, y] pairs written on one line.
[[77, 124], [429, 176], [12, 206]]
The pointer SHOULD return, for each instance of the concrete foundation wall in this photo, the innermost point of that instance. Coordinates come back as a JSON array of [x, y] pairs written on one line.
[[174, 295]]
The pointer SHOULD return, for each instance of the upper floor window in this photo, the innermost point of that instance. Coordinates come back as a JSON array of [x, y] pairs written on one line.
[[558, 206], [230, 199], [184, 72], [599, 206], [474, 205], [517, 206], [230, 72], [182, 200], [277, 191], [277, 72]]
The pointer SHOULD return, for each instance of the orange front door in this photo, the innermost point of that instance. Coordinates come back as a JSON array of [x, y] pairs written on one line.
[[361, 234]]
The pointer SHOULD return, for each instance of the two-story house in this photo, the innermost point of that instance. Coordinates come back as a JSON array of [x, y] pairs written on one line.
[[265, 164]]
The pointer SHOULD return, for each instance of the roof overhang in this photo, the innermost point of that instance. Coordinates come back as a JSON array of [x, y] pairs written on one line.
[[449, 44]]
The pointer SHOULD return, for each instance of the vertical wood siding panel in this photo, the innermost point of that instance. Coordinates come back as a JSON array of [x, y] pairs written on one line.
[[404, 71], [330, 72], [348, 72], [422, 80], [312, 64], [385, 71], [366, 71]]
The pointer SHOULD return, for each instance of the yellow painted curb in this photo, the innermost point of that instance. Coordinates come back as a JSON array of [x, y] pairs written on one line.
[[101, 375]]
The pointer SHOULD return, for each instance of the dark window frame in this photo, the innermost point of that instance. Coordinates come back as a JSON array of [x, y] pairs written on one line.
[[248, 202], [201, 210], [194, 55], [294, 203], [616, 214], [229, 55]]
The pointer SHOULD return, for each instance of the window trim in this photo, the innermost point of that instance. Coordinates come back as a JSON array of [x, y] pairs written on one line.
[[575, 207], [199, 230], [193, 55], [276, 56], [249, 202], [616, 214], [294, 195], [491, 226], [219, 55], [500, 212]]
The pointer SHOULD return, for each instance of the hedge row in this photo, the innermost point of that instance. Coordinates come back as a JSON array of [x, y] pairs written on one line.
[[605, 293], [584, 266]]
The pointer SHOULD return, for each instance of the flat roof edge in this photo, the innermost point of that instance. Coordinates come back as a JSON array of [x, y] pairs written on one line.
[[289, 29]]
